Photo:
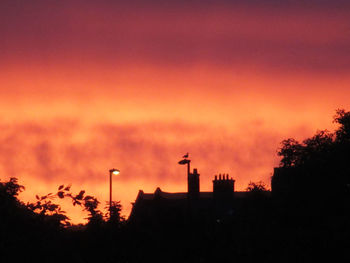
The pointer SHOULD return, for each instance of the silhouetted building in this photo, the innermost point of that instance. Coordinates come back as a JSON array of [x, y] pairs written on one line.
[[158, 207], [292, 182], [283, 181]]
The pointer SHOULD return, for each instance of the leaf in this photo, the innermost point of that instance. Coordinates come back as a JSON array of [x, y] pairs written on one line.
[[80, 195], [60, 187], [60, 194], [37, 197], [88, 197], [51, 208]]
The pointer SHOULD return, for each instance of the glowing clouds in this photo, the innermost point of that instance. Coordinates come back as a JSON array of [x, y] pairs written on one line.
[[86, 86]]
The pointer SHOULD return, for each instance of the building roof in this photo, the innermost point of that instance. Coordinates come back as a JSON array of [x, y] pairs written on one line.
[[158, 193]]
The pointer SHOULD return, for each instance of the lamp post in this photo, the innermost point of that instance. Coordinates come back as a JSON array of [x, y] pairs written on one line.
[[111, 172]]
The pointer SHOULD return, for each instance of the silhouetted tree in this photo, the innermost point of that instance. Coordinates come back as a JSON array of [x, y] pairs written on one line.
[[290, 152], [319, 164], [257, 190], [11, 188], [114, 213], [88, 202], [10, 206], [45, 207], [256, 187], [49, 210], [296, 154], [343, 118]]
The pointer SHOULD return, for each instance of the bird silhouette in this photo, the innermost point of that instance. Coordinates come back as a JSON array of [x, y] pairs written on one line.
[[185, 156]]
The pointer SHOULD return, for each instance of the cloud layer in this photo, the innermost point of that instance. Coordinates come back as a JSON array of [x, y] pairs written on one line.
[[45, 155], [278, 35]]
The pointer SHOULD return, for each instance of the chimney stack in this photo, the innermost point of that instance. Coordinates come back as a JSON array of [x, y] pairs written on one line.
[[193, 185]]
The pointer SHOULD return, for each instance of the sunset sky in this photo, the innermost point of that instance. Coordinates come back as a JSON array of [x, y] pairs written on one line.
[[86, 86]]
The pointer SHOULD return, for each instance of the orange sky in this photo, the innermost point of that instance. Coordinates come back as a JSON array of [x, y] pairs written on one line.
[[86, 86]]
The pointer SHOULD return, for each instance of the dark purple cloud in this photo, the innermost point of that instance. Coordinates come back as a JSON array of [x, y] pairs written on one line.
[[277, 35]]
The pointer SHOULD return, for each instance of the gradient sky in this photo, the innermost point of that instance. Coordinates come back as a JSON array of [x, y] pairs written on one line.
[[86, 86]]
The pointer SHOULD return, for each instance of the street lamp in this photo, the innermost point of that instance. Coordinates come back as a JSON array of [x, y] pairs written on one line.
[[111, 172]]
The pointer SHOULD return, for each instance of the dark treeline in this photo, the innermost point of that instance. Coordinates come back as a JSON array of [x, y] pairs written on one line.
[[305, 218]]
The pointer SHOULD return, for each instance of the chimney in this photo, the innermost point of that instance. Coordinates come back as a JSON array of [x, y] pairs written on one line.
[[193, 185], [224, 187]]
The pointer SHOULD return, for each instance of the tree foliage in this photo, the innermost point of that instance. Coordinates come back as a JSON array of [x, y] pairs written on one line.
[[294, 153], [44, 206], [114, 213], [343, 119], [322, 161], [11, 188], [256, 187]]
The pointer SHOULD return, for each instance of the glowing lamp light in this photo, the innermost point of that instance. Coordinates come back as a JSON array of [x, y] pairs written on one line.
[[114, 171]]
